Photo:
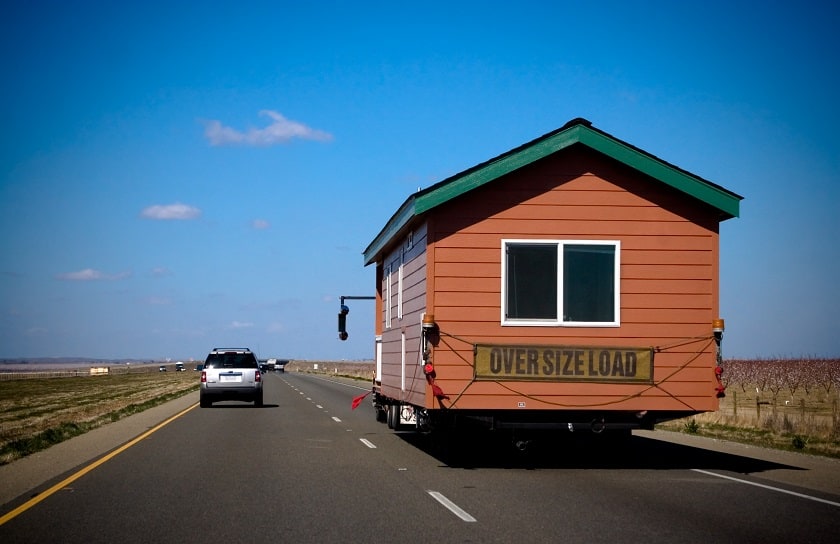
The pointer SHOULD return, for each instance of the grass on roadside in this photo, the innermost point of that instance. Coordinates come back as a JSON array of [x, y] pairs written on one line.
[[38, 413], [780, 435]]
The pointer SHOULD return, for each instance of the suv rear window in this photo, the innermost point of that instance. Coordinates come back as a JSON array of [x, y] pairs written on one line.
[[231, 360]]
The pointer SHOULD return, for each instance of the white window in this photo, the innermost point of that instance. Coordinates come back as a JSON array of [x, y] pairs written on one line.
[[388, 297], [402, 360], [400, 287], [572, 283]]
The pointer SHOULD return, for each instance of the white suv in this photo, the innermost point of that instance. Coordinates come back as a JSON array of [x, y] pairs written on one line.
[[231, 374]]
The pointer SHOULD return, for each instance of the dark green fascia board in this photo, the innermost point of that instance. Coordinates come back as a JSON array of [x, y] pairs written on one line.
[[715, 196], [446, 190], [726, 202], [400, 219], [497, 168]]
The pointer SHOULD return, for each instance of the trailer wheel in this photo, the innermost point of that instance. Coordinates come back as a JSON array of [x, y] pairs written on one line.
[[381, 414], [393, 417]]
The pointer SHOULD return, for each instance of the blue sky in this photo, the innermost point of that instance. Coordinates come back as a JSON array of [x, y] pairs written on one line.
[[177, 176]]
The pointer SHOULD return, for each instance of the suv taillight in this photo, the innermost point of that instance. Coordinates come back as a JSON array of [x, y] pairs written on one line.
[[257, 376], [203, 376]]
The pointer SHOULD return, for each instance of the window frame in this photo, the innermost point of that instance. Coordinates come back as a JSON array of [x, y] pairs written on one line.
[[400, 286], [558, 320], [388, 295]]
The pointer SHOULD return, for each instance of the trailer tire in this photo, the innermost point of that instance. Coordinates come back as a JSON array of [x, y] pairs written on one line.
[[381, 414], [393, 417]]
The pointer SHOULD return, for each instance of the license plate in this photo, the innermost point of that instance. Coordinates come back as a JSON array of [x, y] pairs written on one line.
[[230, 378]]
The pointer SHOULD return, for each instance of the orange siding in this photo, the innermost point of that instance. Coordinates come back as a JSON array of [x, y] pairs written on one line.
[[669, 282]]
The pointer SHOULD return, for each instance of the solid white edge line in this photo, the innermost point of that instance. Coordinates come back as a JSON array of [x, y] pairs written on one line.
[[451, 506], [770, 487], [368, 443]]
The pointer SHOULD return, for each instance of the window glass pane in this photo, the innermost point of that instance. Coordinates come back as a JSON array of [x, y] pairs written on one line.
[[531, 281], [588, 283]]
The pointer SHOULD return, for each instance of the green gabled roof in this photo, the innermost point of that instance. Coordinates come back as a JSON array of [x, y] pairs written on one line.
[[577, 131]]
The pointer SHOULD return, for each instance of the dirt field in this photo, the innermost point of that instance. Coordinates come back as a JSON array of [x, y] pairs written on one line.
[[36, 413]]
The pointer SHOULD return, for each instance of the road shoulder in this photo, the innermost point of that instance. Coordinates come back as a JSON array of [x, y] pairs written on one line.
[[795, 469], [27, 474]]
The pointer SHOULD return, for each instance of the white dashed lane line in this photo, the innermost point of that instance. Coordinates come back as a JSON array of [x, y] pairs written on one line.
[[763, 486], [439, 497], [451, 506]]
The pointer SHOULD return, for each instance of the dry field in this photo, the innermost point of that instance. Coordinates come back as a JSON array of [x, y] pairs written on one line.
[[36, 413]]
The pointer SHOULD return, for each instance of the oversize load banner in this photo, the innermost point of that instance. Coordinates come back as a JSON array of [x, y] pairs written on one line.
[[564, 363]]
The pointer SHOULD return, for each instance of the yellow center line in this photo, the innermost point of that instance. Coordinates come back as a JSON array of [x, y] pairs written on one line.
[[67, 481]]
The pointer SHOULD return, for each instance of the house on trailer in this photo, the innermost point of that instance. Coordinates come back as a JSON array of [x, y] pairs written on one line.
[[575, 273]]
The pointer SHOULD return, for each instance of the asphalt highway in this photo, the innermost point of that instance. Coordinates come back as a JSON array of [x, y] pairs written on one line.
[[307, 468]]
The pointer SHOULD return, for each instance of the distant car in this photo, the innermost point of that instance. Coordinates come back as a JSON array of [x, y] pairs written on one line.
[[231, 374], [280, 365], [162, 368], [199, 367], [179, 367]]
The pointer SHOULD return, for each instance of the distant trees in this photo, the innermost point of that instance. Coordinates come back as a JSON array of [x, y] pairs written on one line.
[[775, 375]]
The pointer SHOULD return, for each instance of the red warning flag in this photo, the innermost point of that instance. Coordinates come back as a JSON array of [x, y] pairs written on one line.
[[358, 400], [438, 392]]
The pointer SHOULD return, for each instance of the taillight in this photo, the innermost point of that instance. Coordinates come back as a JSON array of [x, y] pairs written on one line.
[[203, 377], [257, 376]]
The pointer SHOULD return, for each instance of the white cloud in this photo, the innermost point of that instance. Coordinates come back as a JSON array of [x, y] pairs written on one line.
[[90, 274], [280, 131], [170, 211], [160, 272], [260, 224], [240, 325]]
